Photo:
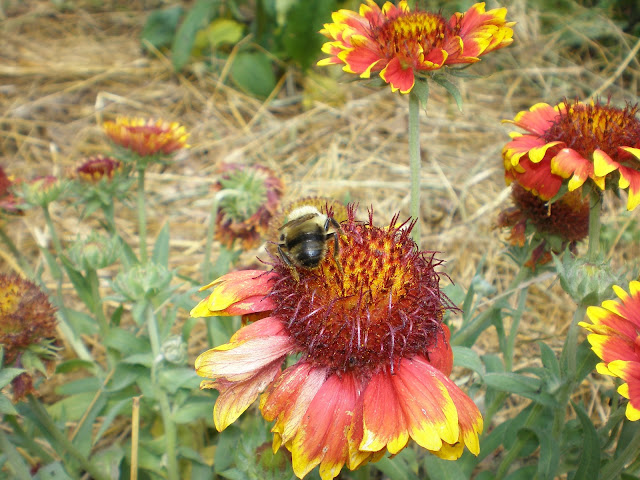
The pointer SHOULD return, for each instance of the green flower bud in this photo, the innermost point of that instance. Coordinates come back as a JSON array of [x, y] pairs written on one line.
[[94, 252], [142, 282]]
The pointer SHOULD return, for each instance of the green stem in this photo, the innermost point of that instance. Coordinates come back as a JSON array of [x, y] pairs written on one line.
[[513, 332], [211, 230], [26, 268], [414, 163], [142, 219], [109, 216], [513, 453], [98, 310], [27, 440], [170, 429], [570, 348], [62, 440], [52, 231], [594, 225]]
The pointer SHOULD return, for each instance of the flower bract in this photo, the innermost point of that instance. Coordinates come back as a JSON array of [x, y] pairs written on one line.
[[614, 338], [399, 44], [374, 356], [573, 143], [557, 226], [248, 197]]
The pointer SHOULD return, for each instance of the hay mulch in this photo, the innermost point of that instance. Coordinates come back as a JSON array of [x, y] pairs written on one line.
[[63, 72]]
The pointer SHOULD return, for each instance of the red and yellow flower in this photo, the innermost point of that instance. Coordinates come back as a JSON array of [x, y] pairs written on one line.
[[27, 322], [615, 340], [8, 201], [97, 168], [147, 137], [374, 355], [399, 44], [572, 143]]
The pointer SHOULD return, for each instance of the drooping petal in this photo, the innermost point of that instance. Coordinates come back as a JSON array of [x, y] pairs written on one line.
[[399, 78], [236, 293], [253, 348], [322, 437]]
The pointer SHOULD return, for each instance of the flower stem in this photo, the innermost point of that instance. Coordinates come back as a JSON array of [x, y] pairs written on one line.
[[52, 231], [16, 253], [595, 208], [16, 463], [513, 452], [142, 218], [570, 349], [170, 430], [414, 163], [61, 439]]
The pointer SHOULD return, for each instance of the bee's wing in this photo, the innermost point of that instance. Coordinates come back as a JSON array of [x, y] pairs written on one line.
[[298, 221]]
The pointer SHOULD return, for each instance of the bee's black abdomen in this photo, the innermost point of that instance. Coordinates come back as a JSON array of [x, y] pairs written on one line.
[[309, 249]]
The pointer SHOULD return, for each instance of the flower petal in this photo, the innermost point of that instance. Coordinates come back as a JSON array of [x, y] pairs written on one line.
[[399, 78], [237, 293]]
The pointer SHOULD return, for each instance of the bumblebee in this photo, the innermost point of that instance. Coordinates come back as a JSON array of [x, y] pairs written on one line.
[[304, 238]]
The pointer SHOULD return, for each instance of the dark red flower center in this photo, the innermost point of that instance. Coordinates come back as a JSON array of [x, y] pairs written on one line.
[[409, 36], [98, 167], [585, 128], [384, 305]]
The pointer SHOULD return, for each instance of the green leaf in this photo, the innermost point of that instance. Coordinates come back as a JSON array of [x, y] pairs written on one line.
[[227, 445], [443, 469], [161, 247], [6, 407], [527, 387], [125, 342], [586, 361], [71, 408], [589, 465], [524, 473], [300, 35], [81, 322], [449, 87], [161, 26], [80, 283], [549, 453], [197, 18], [194, 410], [56, 273], [144, 359], [467, 358], [8, 374], [82, 385], [398, 468], [220, 32], [253, 73], [549, 359]]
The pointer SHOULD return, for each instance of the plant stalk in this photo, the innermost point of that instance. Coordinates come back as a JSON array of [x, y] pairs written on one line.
[[142, 218], [170, 429], [414, 163], [595, 208]]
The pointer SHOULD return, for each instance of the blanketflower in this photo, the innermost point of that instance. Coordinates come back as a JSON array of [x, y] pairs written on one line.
[[374, 355], [572, 143], [99, 167], [615, 340], [27, 321], [147, 137], [399, 43], [557, 226], [248, 198]]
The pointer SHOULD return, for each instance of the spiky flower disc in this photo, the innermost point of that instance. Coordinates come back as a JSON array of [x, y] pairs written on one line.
[[573, 143], [374, 356], [399, 43], [615, 338], [97, 168]]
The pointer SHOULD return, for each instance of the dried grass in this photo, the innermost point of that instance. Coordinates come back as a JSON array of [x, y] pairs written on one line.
[[63, 72]]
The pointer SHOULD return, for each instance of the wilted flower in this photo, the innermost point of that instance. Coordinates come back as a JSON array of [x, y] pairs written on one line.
[[374, 355], [27, 329], [557, 225], [8, 201], [573, 142], [147, 137], [615, 340], [248, 197], [399, 43]]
